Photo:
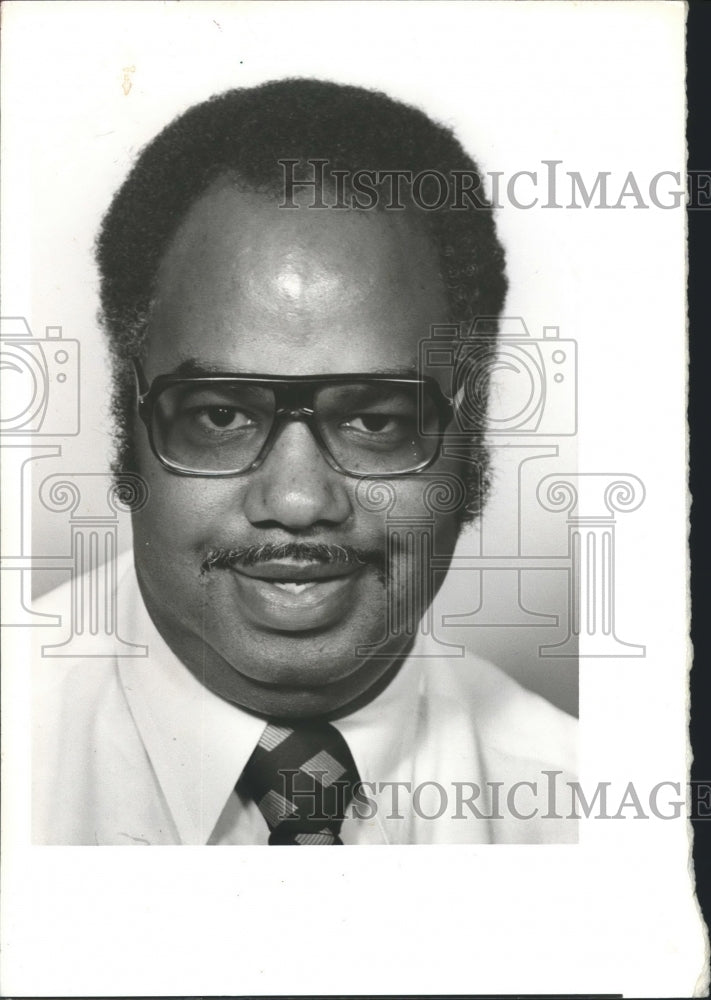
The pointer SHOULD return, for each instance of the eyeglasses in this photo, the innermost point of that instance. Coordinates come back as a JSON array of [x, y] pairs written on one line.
[[225, 425]]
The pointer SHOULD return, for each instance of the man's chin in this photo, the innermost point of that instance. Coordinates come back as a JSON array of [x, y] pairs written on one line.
[[311, 693], [287, 673], [297, 675], [302, 663]]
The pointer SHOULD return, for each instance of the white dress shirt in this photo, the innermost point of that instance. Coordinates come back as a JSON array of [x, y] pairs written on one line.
[[138, 751]]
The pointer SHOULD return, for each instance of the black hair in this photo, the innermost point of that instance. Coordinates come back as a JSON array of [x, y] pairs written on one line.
[[244, 134]]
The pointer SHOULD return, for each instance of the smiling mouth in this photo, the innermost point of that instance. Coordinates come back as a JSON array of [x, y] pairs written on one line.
[[294, 586], [292, 574], [299, 581], [293, 596]]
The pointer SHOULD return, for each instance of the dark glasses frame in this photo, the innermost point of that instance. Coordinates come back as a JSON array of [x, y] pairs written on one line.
[[294, 398]]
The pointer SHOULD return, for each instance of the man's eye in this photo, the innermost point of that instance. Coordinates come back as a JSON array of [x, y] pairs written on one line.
[[374, 423], [222, 418]]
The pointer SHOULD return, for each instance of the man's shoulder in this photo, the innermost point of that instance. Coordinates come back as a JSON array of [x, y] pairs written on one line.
[[511, 721], [62, 667]]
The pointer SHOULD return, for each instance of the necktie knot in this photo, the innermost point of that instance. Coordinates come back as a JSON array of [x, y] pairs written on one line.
[[302, 779]]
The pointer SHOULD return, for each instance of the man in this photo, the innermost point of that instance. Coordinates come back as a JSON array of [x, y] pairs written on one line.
[[265, 326]]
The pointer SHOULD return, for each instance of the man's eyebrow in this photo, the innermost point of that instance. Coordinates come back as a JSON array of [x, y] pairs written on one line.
[[195, 368]]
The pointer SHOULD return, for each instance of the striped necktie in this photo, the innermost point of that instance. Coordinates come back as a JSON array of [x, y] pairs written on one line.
[[302, 779]]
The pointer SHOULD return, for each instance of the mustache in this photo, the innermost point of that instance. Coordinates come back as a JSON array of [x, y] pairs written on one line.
[[320, 552]]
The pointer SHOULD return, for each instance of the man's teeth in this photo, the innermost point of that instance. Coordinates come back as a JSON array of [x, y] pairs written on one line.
[[292, 587]]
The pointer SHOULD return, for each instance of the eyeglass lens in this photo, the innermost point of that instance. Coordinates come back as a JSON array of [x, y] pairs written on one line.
[[368, 428]]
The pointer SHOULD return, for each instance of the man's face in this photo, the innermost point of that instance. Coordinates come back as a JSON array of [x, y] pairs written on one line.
[[248, 288]]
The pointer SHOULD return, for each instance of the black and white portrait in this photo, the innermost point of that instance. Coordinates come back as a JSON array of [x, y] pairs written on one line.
[[332, 340], [301, 286]]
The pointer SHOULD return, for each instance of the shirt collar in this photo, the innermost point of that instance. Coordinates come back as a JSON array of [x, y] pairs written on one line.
[[199, 744], [379, 733]]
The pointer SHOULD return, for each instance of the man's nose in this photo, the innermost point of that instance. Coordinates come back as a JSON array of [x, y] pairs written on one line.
[[295, 487]]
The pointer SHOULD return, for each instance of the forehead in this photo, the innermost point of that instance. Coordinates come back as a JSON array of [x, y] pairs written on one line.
[[248, 286]]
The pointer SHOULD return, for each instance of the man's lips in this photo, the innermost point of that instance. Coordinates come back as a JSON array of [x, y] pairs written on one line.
[[290, 571], [287, 595]]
